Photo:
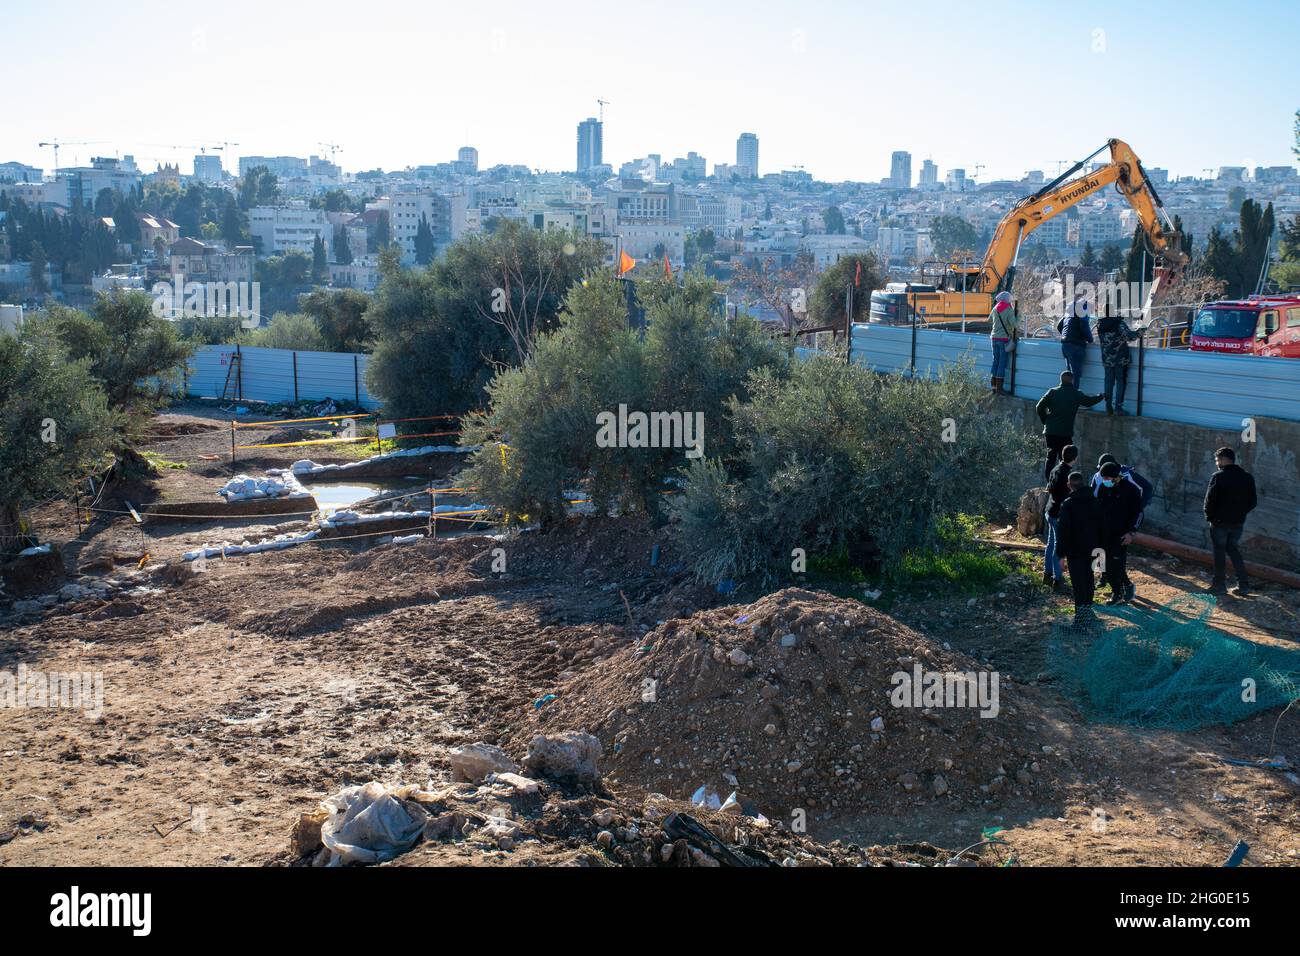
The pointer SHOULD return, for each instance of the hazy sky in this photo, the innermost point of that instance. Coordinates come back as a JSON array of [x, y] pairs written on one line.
[[831, 86]]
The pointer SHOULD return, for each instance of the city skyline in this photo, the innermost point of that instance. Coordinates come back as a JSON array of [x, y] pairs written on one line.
[[795, 79]]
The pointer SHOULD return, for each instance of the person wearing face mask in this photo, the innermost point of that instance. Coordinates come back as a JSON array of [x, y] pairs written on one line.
[[1120, 505]]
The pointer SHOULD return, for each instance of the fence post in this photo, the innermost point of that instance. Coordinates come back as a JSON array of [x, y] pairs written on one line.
[[1142, 354], [913, 341], [1015, 342], [239, 374], [295, 378], [356, 378]]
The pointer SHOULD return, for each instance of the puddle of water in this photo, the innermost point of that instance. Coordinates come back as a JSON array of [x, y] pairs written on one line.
[[333, 496]]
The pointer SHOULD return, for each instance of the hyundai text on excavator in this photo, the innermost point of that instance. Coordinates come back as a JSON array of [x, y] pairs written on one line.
[[965, 291]]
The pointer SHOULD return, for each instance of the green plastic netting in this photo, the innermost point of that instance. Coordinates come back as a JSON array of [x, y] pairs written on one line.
[[1168, 667]]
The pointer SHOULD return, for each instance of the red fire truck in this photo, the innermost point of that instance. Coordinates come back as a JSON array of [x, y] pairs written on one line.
[[1259, 325]]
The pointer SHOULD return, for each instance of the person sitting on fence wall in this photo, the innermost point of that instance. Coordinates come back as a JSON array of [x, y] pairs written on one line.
[[1002, 335], [1057, 410], [1076, 335], [1228, 499], [1115, 336]]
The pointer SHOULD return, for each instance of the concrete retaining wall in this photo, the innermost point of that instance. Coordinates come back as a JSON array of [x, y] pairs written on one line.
[[1179, 460]]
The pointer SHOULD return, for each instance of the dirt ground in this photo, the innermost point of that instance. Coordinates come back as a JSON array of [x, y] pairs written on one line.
[[238, 697]]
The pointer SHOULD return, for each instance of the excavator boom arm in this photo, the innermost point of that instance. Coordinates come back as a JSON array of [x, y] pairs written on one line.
[[1124, 170]]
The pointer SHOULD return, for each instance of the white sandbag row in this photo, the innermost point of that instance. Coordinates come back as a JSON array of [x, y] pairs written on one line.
[[277, 543], [306, 466], [277, 484], [349, 518]]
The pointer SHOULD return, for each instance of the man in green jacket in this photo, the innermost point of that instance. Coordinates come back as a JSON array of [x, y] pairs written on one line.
[[1056, 410]]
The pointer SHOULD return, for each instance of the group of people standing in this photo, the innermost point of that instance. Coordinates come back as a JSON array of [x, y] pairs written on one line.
[[1075, 331], [1091, 522]]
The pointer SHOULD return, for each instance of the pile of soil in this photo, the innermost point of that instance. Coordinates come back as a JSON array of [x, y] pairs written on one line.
[[787, 701]]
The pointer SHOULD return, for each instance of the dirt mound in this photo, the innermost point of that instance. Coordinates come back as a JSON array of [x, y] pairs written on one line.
[[788, 702]]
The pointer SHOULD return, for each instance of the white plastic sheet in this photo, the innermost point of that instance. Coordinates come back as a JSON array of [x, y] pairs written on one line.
[[369, 824]]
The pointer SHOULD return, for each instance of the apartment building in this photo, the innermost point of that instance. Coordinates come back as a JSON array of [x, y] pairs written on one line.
[[279, 229]]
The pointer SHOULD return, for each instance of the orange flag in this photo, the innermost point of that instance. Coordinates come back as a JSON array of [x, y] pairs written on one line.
[[668, 269], [625, 263]]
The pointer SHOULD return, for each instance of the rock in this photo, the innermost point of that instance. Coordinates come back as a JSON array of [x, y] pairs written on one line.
[[794, 766], [738, 658], [521, 785], [666, 852], [789, 640], [506, 843], [770, 730], [473, 762], [909, 780], [1029, 516], [306, 833], [572, 755], [605, 839], [877, 724], [603, 818], [498, 828], [1024, 778], [939, 785]]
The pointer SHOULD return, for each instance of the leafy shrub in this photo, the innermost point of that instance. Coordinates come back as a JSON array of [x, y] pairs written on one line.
[[834, 458], [540, 430]]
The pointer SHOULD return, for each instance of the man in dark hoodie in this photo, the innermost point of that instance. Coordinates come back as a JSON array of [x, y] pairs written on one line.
[[1120, 504], [1057, 410], [1229, 498], [1115, 337], [1077, 538], [1058, 488]]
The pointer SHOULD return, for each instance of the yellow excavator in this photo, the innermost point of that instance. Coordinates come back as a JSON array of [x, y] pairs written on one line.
[[965, 291]]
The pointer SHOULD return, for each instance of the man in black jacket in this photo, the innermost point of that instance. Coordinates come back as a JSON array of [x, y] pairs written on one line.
[[1077, 538], [1057, 410], [1229, 498], [1120, 503]]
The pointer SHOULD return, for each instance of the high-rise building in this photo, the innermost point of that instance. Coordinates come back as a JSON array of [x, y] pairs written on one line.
[[956, 180], [929, 173], [590, 146], [900, 170], [468, 159], [747, 154], [207, 168]]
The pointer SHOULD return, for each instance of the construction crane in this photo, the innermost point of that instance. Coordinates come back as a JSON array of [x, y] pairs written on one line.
[[333, 148], [602, 104], [55, 144], [966, 289]]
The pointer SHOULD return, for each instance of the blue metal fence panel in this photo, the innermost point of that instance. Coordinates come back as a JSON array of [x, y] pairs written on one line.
[[268, 374], [1197, 388]]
